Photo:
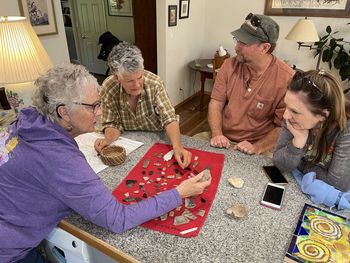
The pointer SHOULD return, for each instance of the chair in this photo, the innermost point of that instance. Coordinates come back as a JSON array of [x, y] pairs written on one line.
[[217, 63]]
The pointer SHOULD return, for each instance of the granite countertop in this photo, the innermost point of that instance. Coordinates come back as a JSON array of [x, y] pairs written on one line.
[[263, 236]]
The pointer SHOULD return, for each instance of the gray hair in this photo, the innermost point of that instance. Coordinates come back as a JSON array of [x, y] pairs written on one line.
[[125, 58], [62, 85]]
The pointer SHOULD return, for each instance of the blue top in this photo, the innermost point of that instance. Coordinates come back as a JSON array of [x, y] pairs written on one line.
[[45, 177]]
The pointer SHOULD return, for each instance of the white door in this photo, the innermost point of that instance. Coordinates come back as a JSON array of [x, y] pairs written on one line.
[[91, 20]]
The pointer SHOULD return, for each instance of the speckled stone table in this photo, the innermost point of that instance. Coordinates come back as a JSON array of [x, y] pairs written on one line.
[[263, 236]]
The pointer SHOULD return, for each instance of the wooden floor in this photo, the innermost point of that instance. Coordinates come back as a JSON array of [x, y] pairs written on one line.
[[192, 120]]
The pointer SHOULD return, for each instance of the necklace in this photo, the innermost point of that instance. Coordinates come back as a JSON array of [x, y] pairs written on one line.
[[248, 83], [247, 86]]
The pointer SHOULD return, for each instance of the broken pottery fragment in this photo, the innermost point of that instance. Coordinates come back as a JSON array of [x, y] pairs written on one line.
[[201, 212], [164, 217], [189, 215], [207, 175], [130, 183], [236, 182], [129, 199], [180, 220], [146, 163], [189, 203], [237, 211]]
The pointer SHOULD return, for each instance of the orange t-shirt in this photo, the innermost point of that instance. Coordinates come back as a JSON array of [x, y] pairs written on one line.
[[251, 115]]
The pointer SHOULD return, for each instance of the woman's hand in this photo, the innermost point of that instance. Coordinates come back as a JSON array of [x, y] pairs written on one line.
[[100, 144], [300, 135], [192, 186]]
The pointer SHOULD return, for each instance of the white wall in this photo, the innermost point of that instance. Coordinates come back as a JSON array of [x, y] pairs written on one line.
[[179, 45], [121, 26], [233, 14], [55, 45], [209, 25]]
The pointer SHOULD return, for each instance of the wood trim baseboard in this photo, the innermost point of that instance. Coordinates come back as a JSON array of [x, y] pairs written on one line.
[[100, 245]]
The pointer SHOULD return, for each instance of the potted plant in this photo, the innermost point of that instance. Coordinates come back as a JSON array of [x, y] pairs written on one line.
[[336, 51]]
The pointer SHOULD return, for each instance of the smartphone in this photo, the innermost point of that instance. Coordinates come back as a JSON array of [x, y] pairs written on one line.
[[273, 196], [274, 174]]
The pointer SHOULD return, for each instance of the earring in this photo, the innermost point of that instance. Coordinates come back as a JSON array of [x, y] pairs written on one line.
[[69, 128]]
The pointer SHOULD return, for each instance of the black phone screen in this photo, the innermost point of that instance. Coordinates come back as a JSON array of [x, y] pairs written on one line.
[[273, 195], [275, 175]]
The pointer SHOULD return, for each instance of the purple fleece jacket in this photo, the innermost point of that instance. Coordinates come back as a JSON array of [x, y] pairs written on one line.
[[46, 177]]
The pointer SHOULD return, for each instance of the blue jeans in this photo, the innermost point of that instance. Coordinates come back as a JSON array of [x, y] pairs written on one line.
[[33, 257]]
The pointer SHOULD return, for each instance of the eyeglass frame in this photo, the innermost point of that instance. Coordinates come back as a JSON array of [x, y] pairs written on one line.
[[95, 107], [256, 22]]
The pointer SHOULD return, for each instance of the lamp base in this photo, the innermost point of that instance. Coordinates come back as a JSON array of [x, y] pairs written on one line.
[[19, 95]]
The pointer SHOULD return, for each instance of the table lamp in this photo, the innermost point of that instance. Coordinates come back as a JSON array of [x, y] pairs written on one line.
[[305, 31], [22, 60]]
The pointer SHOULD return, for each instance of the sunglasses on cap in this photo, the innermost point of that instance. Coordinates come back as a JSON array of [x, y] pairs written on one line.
[[255, 21]]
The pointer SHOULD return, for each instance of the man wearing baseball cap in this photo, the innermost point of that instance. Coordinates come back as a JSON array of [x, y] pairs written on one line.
[[246, 105]]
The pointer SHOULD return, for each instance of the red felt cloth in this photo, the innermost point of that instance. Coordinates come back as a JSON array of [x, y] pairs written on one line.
[[155, 154]]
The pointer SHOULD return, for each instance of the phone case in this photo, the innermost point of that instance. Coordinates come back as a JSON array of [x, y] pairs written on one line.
[[270, 204]]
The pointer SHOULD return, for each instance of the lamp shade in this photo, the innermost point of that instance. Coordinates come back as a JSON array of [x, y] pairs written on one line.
[[303, 31], [22, 56]]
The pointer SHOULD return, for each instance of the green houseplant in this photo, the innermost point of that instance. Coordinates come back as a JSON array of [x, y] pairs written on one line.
[[336, 51]]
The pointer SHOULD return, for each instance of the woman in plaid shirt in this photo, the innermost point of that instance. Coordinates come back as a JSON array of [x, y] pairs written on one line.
[[133, 99]]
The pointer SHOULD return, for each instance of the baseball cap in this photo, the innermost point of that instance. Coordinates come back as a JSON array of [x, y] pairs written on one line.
[[256, 29]]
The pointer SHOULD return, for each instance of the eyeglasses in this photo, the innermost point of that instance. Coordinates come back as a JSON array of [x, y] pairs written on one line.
[[256, 23], [96, 106]]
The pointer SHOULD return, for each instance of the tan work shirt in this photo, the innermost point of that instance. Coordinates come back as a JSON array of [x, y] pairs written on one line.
[[154, 110], [251, 109]]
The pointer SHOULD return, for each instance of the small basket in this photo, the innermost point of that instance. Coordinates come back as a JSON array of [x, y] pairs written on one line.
[[113, 155]]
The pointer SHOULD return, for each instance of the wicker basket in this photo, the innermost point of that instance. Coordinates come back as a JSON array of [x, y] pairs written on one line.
[[113, 155]]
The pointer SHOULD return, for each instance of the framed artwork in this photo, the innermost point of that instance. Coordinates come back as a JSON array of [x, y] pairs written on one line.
[[184, 9], [119, 7], [319, 8], [172, 15], [41, 15]]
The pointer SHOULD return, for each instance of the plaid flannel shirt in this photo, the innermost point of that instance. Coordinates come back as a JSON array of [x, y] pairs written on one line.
[[154, 110]]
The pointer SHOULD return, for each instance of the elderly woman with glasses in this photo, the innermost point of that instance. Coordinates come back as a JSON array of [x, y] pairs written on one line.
[[45, 176], [316, 134]]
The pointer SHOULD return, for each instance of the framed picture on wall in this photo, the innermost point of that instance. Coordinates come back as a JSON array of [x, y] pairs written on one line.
[[172, 15], [184, 9], [41, 15], [326, 8], [119, 7]]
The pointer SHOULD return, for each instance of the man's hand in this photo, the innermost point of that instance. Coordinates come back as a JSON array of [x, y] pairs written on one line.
[[182, 156], [246, 147], [220, 141], [192, 186], [100, 144]]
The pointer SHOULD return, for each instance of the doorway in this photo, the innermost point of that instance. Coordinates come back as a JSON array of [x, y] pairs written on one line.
[[90, 18]]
